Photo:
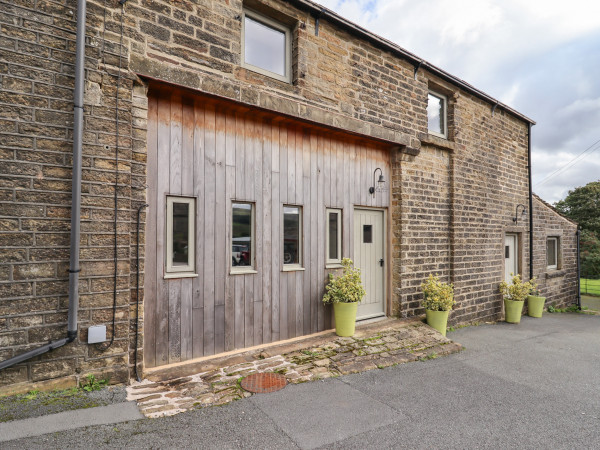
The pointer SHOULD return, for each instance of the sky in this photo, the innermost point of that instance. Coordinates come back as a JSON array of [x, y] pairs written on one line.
[[540, 57]]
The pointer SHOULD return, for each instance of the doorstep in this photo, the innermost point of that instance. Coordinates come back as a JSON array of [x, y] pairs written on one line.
[[216, 380]]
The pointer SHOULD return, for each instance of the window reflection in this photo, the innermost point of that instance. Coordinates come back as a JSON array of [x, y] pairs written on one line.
[[241, 242], [435, 114], [291, 234], [264, 46], [181, 217]]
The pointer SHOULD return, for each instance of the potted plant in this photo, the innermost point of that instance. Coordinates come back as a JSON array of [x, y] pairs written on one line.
[[535, 302], [514, 295], [344, 291], [438, 300]]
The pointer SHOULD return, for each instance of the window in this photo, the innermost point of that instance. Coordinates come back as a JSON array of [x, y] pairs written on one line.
[[242, 236], [437, 114], [367, 234], [266, 46], [552, 252], [181, 230], [334, 236], [292, 236]]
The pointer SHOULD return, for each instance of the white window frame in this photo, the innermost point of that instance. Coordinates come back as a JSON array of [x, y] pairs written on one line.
[[336, 261], [288, 45], [252, 267], [187, 270], [444, 100], [556, 249], [299, 265]]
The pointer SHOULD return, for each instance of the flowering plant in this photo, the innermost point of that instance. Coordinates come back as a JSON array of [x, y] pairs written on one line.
[[346, 287], [437, 295], [518, 290]]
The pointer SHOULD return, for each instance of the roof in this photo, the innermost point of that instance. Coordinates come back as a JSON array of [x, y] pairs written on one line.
[[320, 11], [545, 203]]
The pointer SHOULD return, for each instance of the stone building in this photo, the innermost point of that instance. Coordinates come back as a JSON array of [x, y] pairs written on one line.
[[269, 139]]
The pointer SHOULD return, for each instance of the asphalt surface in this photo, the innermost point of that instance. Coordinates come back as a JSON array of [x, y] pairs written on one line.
[[532, 385]]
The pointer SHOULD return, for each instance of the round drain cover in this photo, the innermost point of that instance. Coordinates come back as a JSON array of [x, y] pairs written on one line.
[[262, 383]]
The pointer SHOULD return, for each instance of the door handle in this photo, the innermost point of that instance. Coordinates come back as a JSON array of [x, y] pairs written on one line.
[[381, 262]]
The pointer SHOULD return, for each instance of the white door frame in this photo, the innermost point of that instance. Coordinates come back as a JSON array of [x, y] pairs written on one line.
[[516, 251], [384, 256]]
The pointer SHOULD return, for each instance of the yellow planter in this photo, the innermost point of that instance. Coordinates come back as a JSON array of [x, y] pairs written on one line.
[[345, 318], [437, 320]]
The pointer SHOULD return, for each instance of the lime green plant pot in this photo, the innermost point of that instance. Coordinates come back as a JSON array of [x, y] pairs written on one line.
[[345, 318], [437, 320], [535, 305], [513, 310]]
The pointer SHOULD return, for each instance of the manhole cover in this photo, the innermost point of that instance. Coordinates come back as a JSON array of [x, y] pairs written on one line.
[[262, 383]]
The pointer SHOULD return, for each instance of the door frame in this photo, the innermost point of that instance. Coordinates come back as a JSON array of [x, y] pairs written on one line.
[[518, 233], [386, 255]]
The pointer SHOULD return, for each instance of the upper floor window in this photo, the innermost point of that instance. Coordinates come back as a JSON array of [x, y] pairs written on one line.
[[266, 46], [437, 114], [552, 249]]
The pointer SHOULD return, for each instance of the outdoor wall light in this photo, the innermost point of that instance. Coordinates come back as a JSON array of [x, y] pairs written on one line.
[[516, 218], [380, 181]]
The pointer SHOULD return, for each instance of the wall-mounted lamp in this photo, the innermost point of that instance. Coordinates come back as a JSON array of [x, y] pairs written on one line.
[[516, 218], [380, 181]]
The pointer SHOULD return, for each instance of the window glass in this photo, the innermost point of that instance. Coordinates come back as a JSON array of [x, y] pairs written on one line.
[[264, 46], [181, 237], [367, 234], [242, 240], [334, 236], [292, 217], [551, 252], [436, 114], [181, 228]]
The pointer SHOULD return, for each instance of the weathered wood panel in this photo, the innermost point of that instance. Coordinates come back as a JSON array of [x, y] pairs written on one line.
[[220, 153]]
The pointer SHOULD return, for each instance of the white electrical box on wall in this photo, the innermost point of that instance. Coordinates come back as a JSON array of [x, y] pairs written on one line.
[[96, 333]]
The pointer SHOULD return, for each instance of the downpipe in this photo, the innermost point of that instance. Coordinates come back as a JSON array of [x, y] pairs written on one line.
[[75, 200]]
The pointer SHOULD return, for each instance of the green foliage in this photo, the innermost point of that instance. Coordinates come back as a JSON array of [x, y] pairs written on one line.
[[519, 289], [437, 295], [571, 308], [589, 244], [582, 205], [346, 287], [91, 383], [31, 395]]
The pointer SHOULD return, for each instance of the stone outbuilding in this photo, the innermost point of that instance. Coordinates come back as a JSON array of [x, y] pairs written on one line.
[[228, 155]]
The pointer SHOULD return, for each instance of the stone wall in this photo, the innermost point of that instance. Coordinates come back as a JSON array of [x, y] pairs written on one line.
[[452, 199], [559, 285]]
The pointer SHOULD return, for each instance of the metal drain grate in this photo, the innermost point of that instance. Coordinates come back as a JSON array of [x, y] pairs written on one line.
[[263, 383]]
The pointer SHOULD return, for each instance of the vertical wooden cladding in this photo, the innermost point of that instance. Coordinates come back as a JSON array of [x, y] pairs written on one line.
[[219, 153]]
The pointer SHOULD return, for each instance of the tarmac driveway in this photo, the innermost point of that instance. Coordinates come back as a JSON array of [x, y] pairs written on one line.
[[533, 385]]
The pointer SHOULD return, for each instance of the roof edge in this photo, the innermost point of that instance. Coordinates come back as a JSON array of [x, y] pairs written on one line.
[[545, 203], [319, 11]]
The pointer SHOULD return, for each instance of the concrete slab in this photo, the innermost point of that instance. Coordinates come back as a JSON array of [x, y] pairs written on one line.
[[320, 413], [69, 420]]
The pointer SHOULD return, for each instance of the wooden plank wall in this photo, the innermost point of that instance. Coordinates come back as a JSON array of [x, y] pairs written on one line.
[[219, 153]]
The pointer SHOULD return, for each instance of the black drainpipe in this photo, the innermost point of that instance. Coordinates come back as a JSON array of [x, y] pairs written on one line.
[[578, 270], [530, 202], [75, 200]]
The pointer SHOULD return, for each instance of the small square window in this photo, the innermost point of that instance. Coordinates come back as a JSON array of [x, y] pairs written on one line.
[[292, 236], [334, 236], [437, 113], [181, 230], [242, 236], [266, 46], [552, 249]]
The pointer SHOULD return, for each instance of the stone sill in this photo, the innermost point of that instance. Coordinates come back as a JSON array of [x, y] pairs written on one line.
[[439, 142], [556, 273]]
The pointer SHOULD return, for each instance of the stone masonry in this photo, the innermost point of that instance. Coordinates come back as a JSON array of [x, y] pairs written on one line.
[[452, 200]]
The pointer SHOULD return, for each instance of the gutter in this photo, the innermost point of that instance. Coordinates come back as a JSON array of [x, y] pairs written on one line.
[[75, 200], [322, 13]]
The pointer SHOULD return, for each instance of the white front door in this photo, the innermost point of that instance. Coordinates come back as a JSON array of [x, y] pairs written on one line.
[[511, 253], [369, 251]]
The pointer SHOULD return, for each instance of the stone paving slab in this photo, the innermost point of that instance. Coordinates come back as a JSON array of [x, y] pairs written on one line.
[[373, 347]]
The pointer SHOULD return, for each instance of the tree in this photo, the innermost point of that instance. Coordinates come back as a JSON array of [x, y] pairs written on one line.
[[582, 205], [589, 245]]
